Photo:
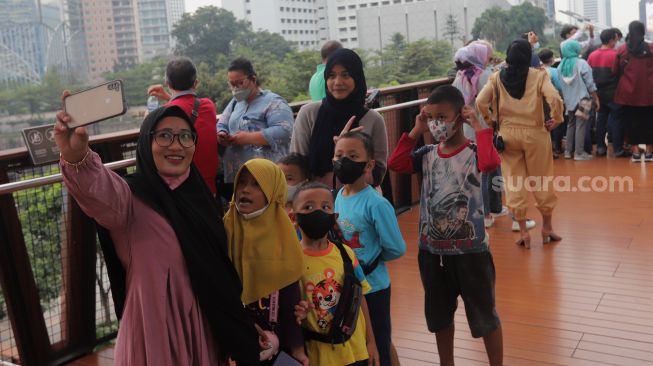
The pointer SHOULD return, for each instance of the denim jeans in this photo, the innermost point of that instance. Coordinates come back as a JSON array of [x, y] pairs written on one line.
[[609, 119], [491, 193]]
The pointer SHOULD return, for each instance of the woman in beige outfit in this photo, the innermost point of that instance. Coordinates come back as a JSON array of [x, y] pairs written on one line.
[[519, 92]]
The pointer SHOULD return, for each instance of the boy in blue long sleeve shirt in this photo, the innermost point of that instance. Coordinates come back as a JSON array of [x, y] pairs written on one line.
[[369, 226]]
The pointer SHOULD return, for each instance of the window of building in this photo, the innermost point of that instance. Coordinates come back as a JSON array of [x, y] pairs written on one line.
[[352, 28], [352, 6], [249, 11], [342, 19], [362, 6], [343, 39], [385, 3], [374, 4], [354, 39], [341, 8], [344, 29]]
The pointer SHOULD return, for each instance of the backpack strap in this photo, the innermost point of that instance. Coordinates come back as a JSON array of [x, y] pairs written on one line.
[[196, 111], [341, 337]]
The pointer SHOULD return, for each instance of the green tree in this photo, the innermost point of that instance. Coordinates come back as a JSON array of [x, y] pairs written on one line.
[[491, 26], [137, 79], [263, 43], [207, 33], [39, 211], [502, 26], [451, 29], [424, 60]]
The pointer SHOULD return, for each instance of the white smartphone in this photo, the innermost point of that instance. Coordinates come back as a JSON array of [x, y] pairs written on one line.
[[95, 104]]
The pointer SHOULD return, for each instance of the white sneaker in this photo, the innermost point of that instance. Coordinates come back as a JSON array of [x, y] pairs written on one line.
[[489, 221], [504, 212], [529, 225]]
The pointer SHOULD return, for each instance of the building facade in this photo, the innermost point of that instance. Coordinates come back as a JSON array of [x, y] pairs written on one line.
[[156, 22], [22, 43], [598, 11], [301, 22], [413, 19]]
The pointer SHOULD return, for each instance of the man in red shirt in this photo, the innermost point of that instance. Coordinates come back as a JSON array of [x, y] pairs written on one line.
[[181, 80], [609, 115]]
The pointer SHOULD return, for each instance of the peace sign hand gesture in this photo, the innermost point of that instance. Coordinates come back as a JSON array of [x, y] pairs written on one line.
[[347, 129]]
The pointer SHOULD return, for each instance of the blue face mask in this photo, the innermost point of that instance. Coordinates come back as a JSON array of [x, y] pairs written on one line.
[[536, 45]]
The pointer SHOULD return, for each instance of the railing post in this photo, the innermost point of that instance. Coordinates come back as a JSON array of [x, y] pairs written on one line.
[[19, 287], [393, 127], [78, 253]]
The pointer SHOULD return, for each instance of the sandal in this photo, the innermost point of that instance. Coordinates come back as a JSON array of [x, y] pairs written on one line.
[[549, 237], [526, 242]]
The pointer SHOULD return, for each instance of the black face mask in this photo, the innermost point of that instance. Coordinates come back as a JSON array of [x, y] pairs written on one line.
[[316, 224], [348, 170]]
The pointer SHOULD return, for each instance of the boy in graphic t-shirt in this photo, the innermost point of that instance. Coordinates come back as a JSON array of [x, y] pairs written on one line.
[[454, 256]]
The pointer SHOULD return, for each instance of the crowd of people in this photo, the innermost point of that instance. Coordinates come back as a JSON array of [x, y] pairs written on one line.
[[294, 273]]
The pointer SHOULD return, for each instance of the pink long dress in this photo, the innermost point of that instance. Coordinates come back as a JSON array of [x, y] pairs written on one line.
[[162, 323]]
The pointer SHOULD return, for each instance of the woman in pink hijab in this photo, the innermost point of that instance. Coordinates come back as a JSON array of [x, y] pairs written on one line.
[[471, 62]]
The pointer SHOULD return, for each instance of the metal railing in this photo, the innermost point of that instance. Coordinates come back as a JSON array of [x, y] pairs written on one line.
[[55, 301]]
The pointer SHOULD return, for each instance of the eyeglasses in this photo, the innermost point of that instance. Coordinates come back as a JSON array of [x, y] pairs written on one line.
[[165, 138], [237, 83]]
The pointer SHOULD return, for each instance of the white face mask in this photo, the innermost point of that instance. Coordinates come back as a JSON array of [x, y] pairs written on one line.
[[240, 94], [536, 45], [252, 215], [291, 192], [442, 130]]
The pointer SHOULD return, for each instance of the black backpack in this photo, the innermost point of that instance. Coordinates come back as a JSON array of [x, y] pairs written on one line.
[[344, 320]]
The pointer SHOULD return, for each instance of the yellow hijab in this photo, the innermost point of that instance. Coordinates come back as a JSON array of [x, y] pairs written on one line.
[[265, 249]]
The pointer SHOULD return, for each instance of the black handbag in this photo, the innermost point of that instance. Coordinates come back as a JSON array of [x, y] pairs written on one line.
[[496, 137]]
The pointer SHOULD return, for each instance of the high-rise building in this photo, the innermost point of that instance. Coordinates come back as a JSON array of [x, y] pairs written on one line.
[[369, 23], [598, 11], [121, 33], [22, 43], [375, 24], [303, 23], [111, 35], [156, 21]]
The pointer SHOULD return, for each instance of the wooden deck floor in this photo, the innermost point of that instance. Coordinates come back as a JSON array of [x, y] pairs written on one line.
[[585, 301]]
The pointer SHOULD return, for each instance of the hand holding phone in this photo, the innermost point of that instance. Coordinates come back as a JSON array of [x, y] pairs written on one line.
[[72, 144], [95, 104]]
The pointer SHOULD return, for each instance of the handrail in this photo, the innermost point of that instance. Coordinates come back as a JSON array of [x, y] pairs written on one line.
[[56, 178], [393, 107], [36, 182]]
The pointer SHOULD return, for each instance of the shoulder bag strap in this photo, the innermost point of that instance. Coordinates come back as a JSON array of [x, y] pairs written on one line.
[[496, 93]]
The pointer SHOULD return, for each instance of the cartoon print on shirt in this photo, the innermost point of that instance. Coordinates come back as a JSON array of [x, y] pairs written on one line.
[[325, 296], [346, 226], [449, 214]]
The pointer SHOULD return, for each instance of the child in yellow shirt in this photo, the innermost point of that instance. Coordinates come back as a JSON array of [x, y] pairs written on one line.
[[322, 282]]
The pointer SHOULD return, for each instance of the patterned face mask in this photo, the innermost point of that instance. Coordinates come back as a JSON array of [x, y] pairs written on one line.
[[441, 130]]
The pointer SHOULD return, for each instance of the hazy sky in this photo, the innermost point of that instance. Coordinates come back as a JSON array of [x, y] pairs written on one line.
[[623, 11], [191, 5]]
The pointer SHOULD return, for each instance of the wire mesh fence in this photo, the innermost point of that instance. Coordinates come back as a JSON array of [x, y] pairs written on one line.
[[8, 351]]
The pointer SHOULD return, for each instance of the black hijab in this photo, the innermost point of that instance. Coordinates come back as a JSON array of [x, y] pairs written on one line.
[[197, 222], [334, 114], [518, 59], [635, 39]]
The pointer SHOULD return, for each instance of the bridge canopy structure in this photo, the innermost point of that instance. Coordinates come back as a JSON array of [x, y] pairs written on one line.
[[28, 50]]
